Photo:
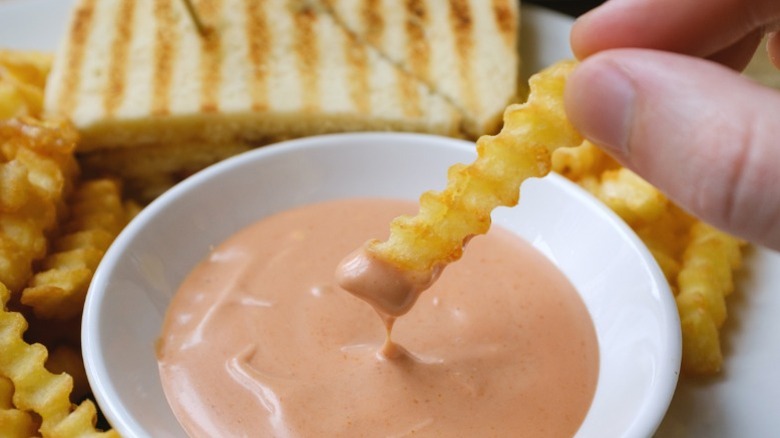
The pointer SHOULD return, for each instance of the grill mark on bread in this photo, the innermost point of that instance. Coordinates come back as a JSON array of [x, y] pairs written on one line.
[[211, 56], [117, 66], [357, 53], [259, 40], [166, 43], [307, 55], [172, 55], [79, 32], [463, 27], [418, 53], [375, 25], [417, 44], [357, 59], [505, 21]]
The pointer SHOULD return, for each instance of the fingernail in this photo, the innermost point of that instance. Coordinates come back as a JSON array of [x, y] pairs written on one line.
[[599, 102]]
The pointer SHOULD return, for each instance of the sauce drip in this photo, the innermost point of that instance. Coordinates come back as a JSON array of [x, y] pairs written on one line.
[[389, 290]]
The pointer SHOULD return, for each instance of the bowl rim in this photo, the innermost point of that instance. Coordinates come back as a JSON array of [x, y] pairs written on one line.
[[110, 401]]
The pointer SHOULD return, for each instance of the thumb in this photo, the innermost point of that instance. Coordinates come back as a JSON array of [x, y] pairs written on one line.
[[704, 135]]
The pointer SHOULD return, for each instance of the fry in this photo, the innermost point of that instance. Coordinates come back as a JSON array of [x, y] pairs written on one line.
[[14, 423], [67, 359], [581, 161], [631, 197], [97, 216], [704, 282], [22, 79], [523, 148], [37, 389], [37, 171]]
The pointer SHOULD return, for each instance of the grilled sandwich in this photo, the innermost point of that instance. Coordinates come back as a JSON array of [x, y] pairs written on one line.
[[155, 99]]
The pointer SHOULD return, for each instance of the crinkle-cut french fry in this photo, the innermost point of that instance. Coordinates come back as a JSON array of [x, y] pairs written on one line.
[[95, 238], [13, 102], [16, 228], [67, 359], [58, 293], [631, 197], [15, 186], [523, 149], [701, 343], [37, 170], [14, 423], [704, 281], [581, 161], [35, 388], [666, 238], [29, 67], [703, 234], [46, 147], [15, 264], [22, 79], [97, 216]]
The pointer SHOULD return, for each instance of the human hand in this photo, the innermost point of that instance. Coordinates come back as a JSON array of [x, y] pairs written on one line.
[[658, 89]]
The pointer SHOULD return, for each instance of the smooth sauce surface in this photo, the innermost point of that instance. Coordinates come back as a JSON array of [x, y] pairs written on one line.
[[259, 341]]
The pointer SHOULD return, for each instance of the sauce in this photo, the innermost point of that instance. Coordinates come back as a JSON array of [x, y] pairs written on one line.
[[260, 341], [388, 289]]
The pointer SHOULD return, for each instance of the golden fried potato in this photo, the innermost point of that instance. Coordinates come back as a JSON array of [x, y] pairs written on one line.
[[532, 132], [701, 351], [635, 200], [15, 264], [704, 281], [665, 238], [67, 359], [25, 66], [16, 228], [582, 161], [37, 170], [14, 423], [22, 80], [15, 186], [13, 102], [97, 216], [35, 388]]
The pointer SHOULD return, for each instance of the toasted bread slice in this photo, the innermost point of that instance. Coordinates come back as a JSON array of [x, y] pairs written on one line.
[[466, 50], [137, 74]]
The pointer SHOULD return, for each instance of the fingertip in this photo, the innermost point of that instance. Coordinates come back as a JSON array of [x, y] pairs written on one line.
[[610, 25], [579, 39], [587, 35]]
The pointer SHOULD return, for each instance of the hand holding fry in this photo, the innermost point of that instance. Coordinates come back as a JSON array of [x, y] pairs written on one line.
[[702, 133]]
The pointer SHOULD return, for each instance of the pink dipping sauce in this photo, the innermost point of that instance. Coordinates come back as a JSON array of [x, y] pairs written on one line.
[[260, 341]]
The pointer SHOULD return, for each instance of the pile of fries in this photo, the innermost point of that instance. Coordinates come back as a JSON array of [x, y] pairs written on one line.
[[55, 228], [698, 260]]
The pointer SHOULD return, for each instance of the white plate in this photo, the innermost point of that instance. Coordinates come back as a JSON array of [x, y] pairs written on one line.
[[743, 401]]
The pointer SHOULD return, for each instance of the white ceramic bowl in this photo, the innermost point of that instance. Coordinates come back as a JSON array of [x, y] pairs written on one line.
[[624, 290]]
